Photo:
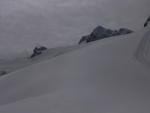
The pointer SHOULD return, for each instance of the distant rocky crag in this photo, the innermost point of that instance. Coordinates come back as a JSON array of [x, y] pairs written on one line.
[[37, 51], [101, 33], [3, 72]]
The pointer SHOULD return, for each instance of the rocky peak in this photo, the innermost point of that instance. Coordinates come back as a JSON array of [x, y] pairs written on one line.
[[101, 32], [37, 51]]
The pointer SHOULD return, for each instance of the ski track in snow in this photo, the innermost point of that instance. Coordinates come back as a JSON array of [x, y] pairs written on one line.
[[142, 52]]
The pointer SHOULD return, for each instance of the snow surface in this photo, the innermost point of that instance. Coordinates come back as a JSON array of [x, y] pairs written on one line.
[[18, 63], [106, 76], [142, 53]]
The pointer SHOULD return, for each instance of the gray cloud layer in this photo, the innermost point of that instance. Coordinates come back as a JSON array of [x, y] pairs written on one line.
[[27, 23]]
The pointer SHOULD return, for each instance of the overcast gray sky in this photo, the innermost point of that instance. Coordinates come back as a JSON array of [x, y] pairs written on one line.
[[25, 24]]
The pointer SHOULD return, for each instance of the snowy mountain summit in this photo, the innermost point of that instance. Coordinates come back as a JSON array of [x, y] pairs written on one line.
[[101, 32]]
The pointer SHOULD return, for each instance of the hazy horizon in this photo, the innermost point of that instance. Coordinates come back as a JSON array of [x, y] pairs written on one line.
[[25, 24]]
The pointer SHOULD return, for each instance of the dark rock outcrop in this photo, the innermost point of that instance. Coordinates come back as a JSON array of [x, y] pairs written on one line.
[[100, 33], [84, 39], [3, 73], [147, 22], [124, 31], [37, 51]]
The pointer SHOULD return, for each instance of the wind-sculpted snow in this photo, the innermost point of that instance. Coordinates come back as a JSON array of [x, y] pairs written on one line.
[[99, 77]]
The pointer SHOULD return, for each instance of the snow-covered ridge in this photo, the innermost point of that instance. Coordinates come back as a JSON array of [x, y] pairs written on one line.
[[99, 77], [15, 64]]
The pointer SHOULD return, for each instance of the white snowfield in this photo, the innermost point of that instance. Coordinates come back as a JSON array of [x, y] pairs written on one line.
[[19, 63], [105, 76]]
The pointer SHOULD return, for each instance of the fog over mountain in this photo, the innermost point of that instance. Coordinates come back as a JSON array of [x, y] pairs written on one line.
[[25, 24]]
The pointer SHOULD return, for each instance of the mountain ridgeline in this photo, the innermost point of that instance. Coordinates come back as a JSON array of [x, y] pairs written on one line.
[[101, 33]]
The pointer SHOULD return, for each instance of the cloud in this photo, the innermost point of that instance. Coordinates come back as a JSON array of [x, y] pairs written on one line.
[[26, 23]]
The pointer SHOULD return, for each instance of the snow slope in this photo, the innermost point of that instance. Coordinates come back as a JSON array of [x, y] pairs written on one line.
[[106, 76], [19, 63], [142, 53]]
